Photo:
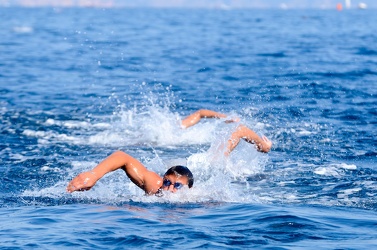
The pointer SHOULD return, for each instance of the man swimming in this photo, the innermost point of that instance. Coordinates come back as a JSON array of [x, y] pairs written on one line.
[[176, 177]]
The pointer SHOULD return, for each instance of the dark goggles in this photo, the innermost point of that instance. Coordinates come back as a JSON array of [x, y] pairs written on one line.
[[167, 183]]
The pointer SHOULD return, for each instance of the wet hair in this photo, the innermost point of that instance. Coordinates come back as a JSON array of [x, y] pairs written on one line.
[[182, 170]]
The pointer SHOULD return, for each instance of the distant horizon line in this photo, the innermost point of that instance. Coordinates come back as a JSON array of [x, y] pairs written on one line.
[[173, 7]]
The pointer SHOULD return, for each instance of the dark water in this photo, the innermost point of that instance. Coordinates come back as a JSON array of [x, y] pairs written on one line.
[[77, 84]]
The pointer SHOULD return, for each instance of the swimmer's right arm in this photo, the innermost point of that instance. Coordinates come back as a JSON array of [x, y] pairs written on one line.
[[263, 144], [133, 168]]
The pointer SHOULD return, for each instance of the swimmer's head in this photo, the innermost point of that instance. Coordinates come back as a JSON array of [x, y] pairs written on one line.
[[176, 177]]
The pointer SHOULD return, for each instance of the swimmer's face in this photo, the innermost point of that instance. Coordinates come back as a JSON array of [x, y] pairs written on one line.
[[174, 182]]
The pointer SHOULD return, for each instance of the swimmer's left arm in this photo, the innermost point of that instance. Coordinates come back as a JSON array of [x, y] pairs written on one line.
[[194, 118]]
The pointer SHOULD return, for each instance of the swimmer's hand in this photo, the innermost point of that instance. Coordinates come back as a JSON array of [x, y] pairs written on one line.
[[82, 182], [265, 146]]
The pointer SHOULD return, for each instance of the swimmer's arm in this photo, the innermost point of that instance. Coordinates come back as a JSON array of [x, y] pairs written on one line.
[[194, 118], [263, 144], [138, 174]]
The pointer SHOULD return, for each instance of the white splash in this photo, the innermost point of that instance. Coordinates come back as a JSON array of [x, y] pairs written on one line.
[[335, 170]]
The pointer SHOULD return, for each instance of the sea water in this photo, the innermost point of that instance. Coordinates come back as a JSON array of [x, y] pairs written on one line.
[[79, 84]]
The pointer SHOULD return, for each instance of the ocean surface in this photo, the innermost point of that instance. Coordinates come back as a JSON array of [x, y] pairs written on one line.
[[78, 84]]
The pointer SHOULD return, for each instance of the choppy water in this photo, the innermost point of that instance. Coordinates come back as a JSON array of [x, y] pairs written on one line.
[[77, 84]]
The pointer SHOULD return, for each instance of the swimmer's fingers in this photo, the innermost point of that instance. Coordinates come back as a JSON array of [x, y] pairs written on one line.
[[265, 139], [267, 144], [82, 182]]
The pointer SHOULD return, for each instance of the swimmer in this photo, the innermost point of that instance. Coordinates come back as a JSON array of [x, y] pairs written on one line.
[[262, 144], [174, 179]]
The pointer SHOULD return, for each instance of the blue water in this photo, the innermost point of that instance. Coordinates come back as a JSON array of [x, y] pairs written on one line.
[[78, 84]]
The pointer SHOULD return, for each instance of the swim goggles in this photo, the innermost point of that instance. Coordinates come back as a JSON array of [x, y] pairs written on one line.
[[167, 183]]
